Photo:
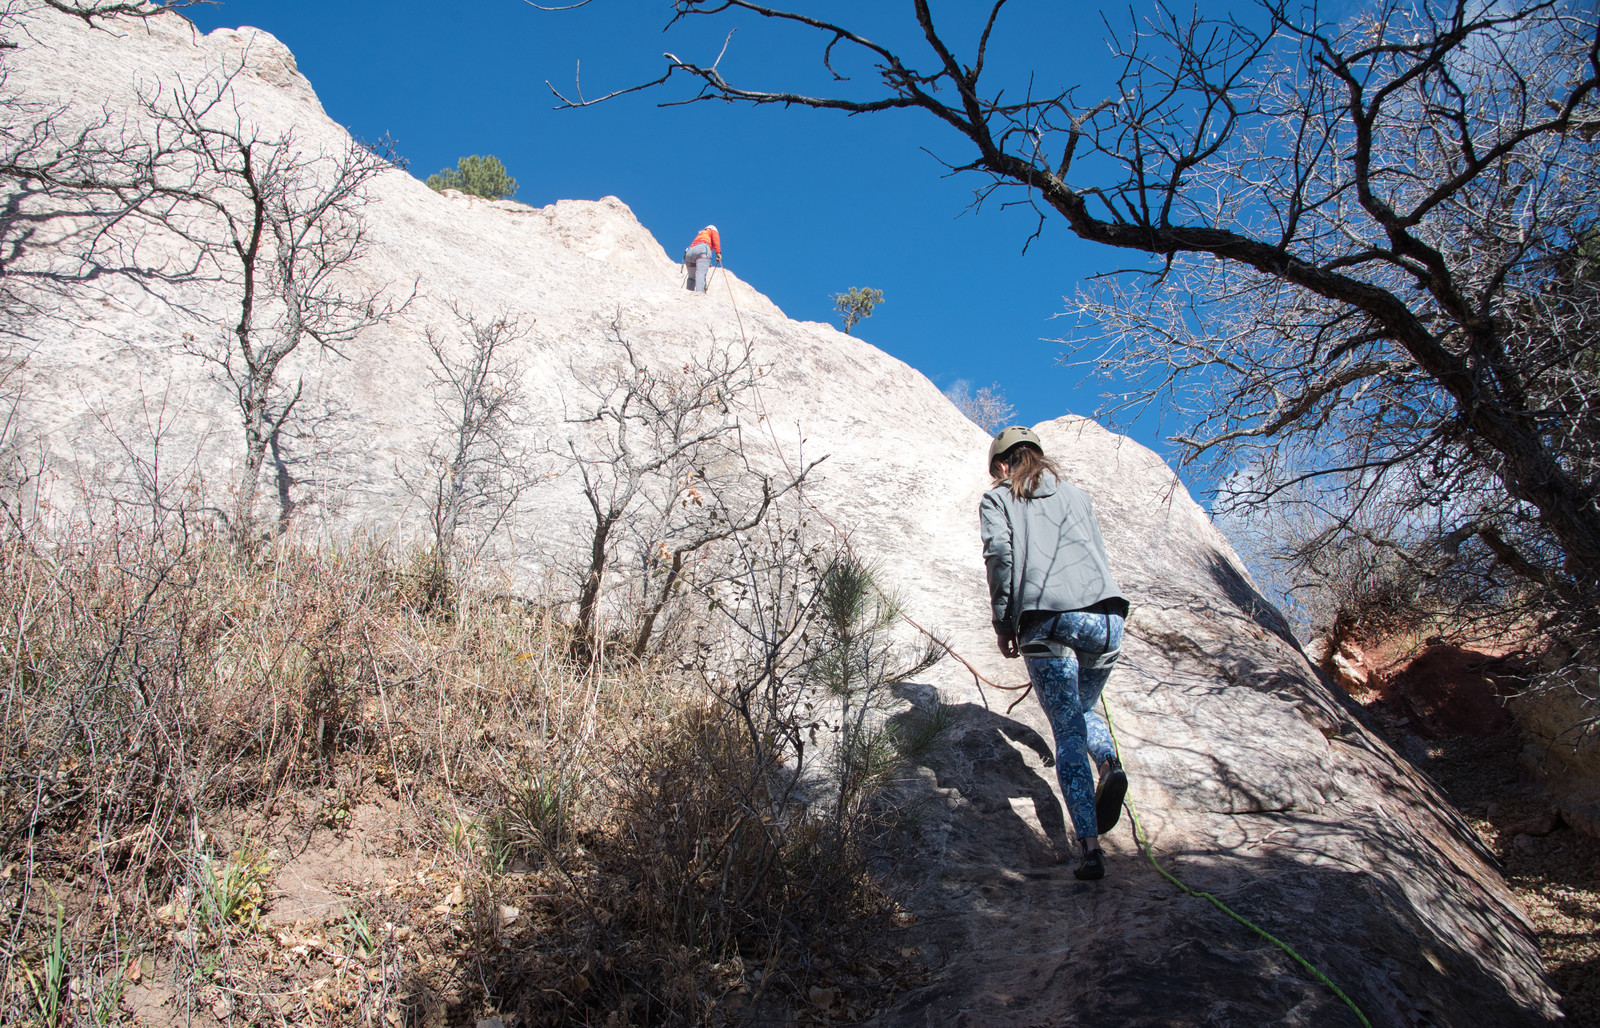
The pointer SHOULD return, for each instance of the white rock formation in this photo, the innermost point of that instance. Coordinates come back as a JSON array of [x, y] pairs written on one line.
[[1255, 780]]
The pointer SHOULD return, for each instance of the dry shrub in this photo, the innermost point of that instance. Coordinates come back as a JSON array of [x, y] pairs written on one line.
[[158, 685], [694, 891], [725, 866], [668, 855], [148, 678]]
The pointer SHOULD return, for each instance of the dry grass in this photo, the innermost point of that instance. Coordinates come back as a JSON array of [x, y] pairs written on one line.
[[559, 842]]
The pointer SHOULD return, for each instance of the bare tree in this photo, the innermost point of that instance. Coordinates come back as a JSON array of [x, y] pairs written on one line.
[[471, 475], [280, 228], [1358, 231], [89, 10], [71, 177], [665, 474], [987, 408], [1360, 574]]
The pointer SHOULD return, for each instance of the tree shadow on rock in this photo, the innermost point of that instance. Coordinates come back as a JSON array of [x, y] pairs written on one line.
[[981, 766], [1383, 888]]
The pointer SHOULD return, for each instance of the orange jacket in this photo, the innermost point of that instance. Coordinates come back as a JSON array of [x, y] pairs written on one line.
[[709, 235]]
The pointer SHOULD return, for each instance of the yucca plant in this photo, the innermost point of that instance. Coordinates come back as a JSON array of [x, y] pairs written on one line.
[[232, 890], [535, 812], [48, 986]]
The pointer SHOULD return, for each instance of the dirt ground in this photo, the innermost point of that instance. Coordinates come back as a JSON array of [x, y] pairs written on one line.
[[1443, 706], [1554, 870]]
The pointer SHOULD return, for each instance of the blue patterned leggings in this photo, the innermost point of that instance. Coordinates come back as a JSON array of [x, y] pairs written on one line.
[[1068, 692]]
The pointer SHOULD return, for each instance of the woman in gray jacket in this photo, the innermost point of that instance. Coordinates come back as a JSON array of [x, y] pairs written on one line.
[[1057, 605]]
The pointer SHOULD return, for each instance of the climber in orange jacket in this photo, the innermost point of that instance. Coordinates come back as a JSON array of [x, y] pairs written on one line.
[[697, 259]]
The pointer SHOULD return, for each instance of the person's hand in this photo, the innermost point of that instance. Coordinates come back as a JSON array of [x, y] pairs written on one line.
[[1007, 643], [719, 258]]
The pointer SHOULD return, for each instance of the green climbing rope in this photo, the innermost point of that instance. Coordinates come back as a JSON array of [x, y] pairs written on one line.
[[1143, 842]]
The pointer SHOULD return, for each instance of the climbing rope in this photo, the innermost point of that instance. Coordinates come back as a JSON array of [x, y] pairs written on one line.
[[1143, 842], [1140, 838]]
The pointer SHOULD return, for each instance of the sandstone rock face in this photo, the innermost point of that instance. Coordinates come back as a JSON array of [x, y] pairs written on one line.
[[1561, 748], [1349, 668], [1253, 778]]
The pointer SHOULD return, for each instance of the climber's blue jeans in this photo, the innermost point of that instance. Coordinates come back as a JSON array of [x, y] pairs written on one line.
[[1068, 692]]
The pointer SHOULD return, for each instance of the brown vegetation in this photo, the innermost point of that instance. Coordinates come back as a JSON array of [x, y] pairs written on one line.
[[517, 833], [1553, 869]]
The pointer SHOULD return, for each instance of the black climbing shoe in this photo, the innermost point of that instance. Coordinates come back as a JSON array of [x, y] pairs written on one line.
[[1108, 797], [1091, 865]]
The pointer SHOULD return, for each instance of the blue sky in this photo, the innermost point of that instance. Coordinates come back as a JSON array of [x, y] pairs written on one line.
[[808, 203]]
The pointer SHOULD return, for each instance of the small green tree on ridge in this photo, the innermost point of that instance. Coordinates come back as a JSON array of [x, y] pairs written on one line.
[[478, 176], [856, 305]]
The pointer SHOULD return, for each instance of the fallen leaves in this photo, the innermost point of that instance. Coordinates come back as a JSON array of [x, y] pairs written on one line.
[[451, 900]]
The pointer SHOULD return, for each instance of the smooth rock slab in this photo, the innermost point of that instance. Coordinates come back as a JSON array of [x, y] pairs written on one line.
[[1255, 780]]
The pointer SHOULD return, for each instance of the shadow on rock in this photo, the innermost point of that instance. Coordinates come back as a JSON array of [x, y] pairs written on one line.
[[1264, 791], [995, 771]]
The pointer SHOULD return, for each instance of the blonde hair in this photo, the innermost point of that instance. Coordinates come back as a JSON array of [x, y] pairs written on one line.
[[1027, 464]]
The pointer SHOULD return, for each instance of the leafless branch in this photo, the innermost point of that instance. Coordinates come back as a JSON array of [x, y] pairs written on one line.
[[280, 230], [471, 474], [663, 468], [1365, 236]]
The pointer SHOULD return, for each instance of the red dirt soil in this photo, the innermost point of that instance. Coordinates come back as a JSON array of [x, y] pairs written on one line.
[[1448, 690]]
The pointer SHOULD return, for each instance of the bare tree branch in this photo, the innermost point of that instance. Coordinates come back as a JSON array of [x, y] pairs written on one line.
[[664, 471], [472, 474], [1361, 231], [280, 230]]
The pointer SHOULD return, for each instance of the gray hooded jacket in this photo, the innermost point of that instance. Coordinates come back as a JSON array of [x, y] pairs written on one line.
[[1043, 553]]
